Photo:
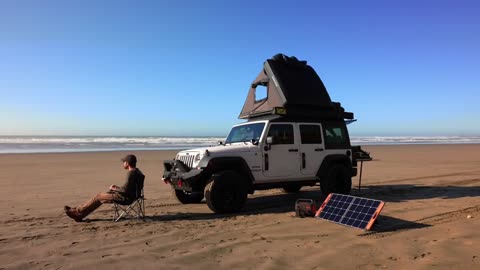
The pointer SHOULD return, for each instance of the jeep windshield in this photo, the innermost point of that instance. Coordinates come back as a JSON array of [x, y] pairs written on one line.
[[245, 133]]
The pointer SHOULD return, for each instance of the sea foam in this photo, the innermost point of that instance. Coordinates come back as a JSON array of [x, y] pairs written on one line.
[[52, 144]]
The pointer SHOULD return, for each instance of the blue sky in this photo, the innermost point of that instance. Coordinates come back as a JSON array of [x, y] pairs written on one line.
[[184, 67]]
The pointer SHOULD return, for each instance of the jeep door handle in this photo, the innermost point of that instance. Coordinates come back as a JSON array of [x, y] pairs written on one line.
[[318, 149], [292, 150]]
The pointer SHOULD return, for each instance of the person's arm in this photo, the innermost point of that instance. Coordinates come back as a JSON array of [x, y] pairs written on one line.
[[124, 186]]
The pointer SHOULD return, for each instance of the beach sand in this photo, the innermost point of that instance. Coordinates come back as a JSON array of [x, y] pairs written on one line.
[[429, 191]]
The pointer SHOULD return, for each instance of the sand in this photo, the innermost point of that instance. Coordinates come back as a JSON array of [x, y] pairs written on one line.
[[429, 191]]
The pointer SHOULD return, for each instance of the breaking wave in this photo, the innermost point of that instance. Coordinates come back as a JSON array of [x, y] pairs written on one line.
[[54, 144]]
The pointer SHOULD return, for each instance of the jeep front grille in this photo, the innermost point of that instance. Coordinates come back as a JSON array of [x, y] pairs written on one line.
[[187, 160]]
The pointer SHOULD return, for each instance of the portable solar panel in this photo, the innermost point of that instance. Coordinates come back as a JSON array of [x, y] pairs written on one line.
[[350, 210]]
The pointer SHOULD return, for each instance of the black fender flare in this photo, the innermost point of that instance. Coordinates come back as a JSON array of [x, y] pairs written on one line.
[[236, 164], [328, 161]]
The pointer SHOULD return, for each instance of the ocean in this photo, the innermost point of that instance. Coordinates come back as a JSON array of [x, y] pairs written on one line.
[[62, 144]]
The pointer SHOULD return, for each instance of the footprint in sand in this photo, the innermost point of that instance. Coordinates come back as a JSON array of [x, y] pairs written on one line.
[[421, 256], [33, 237]]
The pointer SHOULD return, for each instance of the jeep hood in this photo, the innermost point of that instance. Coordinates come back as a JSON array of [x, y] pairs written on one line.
[[224, 149]]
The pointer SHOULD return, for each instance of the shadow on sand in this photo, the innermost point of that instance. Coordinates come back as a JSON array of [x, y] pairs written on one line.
[[284, 203]]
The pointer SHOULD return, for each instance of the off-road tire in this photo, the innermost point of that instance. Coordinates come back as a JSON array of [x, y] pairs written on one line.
[[293, 188], [187, 197], [226, 192], [336, 180]]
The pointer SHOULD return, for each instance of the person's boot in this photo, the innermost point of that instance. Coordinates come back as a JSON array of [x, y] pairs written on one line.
[[87, 208], [66, 208], [73, 213]]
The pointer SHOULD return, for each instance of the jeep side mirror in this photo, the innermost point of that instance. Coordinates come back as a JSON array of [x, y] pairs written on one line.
[[268, 144], [220, 143]]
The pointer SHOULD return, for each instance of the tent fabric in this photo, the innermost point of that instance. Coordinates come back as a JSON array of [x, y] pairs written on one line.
[[291, 84], [252, 105], [299, 82]]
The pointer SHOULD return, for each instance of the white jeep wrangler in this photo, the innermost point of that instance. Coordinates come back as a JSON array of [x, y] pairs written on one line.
[[294, 137], [263, 155]]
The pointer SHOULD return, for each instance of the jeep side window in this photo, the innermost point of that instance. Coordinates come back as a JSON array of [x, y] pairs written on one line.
[[281, 133], [310, 134], [335, 136]]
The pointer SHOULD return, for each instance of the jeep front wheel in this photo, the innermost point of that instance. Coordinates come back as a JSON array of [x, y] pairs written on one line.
[[187, 197], [226, 192], [336, 180]]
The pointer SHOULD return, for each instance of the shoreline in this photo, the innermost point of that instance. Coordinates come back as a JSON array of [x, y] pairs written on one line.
[[96, 151], [181, 149]]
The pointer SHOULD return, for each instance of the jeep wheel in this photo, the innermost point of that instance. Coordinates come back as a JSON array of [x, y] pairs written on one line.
[[337, 180], [226, 192], [293, 188], [187, 197]]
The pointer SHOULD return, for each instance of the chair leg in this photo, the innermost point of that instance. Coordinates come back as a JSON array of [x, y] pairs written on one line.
[[116, 212], [142, 208], [137, 207], [119, 212]]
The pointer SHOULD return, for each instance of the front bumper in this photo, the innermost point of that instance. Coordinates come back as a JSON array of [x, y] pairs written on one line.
[[181, 177]]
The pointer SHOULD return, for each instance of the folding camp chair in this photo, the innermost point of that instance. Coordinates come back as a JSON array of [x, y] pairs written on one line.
[[135, 208]]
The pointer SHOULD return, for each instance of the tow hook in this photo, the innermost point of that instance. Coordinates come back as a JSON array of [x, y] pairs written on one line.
[[166, 180]]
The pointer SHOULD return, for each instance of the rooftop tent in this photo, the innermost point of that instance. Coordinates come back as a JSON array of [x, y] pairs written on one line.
[[292, 85]]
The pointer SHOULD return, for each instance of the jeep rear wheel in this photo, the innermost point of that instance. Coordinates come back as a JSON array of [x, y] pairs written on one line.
[[226, 192], [337, 180], [186, 197], [293, 188]]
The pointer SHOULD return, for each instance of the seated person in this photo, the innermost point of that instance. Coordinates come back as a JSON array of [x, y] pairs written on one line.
[[125, 193]]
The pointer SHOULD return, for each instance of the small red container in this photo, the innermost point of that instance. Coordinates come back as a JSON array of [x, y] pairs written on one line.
[[305, 208]]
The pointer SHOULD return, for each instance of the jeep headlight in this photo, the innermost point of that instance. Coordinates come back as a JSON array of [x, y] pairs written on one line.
[[199, 157]]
